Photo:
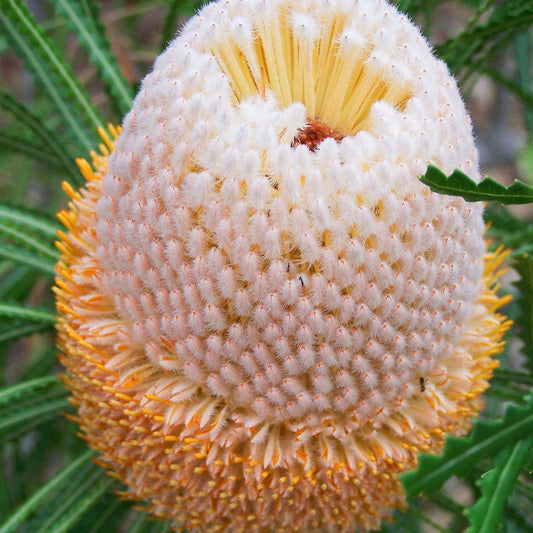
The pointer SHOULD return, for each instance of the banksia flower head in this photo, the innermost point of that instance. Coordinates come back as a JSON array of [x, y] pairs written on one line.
[[265, 316]]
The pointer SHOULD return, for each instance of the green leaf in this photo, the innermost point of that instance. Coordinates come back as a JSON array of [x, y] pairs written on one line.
[[514, 233], [55, 152], [64, 478], [459, 184], [28, 219], [27, 147], [496, 486], [22, 256], [493, 27], [16, 281], [21, 391], [70, 506], [524, 59], [10, 332], [51, 71], [524, 266], [32, 314], [91, 37], [24, 416], [28, 242], [462, 454], [109, 514], [31, 238]]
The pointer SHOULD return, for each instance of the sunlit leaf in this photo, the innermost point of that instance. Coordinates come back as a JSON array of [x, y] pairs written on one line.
[[459, 184]]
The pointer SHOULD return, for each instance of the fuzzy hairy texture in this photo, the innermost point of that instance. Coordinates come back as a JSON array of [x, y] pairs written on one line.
[[265, 316]]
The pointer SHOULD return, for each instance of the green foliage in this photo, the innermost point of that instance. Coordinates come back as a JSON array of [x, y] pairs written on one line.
[[29, 404], [48, 482], [82, 19], [51, 71], [77, 469], [494, 26], [27, 238], [515, 234], [524, 266], [44, 145], [462, 454], [459, 184], [497, 485]]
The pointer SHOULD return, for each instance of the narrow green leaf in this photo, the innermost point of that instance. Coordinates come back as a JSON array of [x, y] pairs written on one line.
[[524, 266], [502, 375], [20, 421], [169, 28], [139, 523], [496, 486], [524, 60], [52, 72], [32, 314], [98, 49], [109, 514], [28, 242], [16, 281], [66, 476], [72, 503], [19, 255], [459, 184], [76, 511], [56, 151], [494, 25], [27, 147], [461, 454], [514, 233], [29, 219], [18, 391]]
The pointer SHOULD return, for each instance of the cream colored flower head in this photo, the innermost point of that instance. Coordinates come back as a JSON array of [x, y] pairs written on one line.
[[265, 315]]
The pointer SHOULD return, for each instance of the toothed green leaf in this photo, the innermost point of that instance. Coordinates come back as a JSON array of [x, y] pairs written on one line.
[[32, 411], [24, 257], [20, 392], [55, 152], [496, 486], [51, 71], [64, 478], [459, 184], [85, 28], [493, 27], [23, 240], [461, 454], [514, 233], [29, 220], [81, 494], [27, 147], [28, 238]]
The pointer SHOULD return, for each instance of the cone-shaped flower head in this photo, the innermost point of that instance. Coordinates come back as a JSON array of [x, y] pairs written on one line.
[[265, 315]]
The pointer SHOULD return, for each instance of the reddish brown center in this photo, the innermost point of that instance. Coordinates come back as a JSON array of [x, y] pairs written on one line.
[[314, 133]]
